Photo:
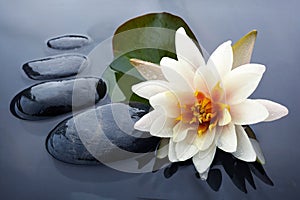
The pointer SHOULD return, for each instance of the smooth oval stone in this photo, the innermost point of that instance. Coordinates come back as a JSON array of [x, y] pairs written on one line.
[[68, 42], [64, 144], [53, 98], [55, 67], [106, 132]]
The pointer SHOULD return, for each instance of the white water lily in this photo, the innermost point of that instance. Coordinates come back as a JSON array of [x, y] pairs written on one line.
[[200, 106]]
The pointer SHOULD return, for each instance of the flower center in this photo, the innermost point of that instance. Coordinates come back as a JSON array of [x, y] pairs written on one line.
[[204, 113]]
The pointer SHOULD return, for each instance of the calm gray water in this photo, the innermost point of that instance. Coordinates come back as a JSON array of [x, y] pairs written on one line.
[[27, 171]]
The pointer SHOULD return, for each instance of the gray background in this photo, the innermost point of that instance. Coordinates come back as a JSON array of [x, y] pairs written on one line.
[[28, 172]]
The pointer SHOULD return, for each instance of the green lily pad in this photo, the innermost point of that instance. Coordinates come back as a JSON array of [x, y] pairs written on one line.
[[150, 38]]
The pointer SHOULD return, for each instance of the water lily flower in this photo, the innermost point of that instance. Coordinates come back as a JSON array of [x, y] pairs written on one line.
[[202, 105]]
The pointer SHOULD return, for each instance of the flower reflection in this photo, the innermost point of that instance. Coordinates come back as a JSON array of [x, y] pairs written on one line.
[[238, 171]]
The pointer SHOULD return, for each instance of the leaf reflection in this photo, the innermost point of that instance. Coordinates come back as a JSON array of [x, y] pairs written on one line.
[[239, 171]]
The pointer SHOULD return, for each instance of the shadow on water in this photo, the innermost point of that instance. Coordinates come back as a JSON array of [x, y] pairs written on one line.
[[238, 171]]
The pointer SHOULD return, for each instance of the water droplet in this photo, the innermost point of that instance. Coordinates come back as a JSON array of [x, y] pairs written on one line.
[[55, 67], [53, 98], [68, 42]]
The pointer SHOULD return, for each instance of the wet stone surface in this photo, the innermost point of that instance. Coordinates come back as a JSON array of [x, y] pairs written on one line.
[[68, 42], [53, 98], [64, 144], [55, 67], [111, 138]]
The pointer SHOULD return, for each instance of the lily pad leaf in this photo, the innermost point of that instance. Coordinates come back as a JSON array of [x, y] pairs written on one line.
[[154, 31], [243, 48], [149, 38]]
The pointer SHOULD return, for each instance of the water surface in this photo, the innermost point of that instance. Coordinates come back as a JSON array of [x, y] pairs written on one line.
[[27, 171]]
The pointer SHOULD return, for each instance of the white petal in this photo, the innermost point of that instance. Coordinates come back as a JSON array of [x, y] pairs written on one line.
[[180, 131], [250, 68], [225, 118], [258, 151], [244, 149], [163, 148], [184, 69], [168, 102], [276, 111], [202, 163], [185, 98], [162, 127], [146, 121], [222, 59], [179, 75], [172, 154], [148, 70], [205, 79], [248, 112], [227, 140], [149, 88], [187, 50], [185, 149], [205, 140], [241, 82]]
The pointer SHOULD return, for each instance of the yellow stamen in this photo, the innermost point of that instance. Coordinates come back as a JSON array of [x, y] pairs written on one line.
[[179, 118], [204, 113]]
